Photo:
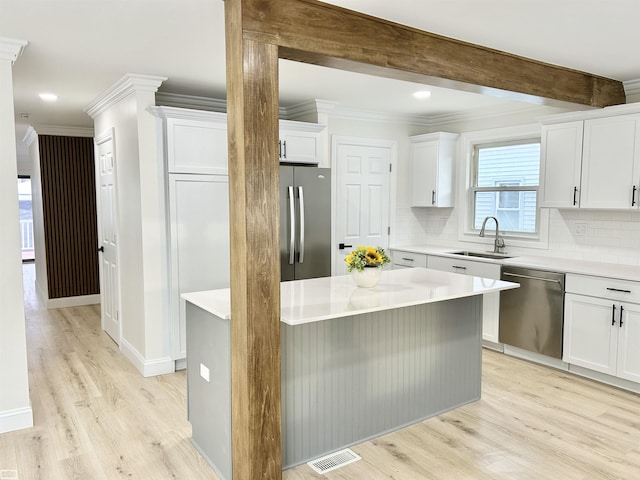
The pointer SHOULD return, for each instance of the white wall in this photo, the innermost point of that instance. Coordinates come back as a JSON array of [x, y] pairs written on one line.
[[42, 287], [15, 407], [142, 244]]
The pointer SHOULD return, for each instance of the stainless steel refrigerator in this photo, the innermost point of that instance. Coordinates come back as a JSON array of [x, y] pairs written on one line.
[[305, 222]]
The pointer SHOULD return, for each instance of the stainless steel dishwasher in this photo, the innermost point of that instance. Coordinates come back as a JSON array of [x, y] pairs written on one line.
[[531, 317]]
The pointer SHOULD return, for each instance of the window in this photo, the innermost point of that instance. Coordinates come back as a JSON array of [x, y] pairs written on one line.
[[505, 185]]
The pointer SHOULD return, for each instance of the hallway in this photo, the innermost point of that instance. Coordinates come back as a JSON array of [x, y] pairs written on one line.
[[95, 416]]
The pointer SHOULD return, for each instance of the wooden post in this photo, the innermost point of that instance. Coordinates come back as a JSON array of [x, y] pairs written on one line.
[[252, 116]]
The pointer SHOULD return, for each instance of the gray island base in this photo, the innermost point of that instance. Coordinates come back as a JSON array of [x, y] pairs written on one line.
[[350, 372]]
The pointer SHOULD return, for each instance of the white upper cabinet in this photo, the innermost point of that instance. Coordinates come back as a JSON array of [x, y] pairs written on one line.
[[560, 165], [300, 142], [197, 145], [611, 162], [432, 169], [592, 162]]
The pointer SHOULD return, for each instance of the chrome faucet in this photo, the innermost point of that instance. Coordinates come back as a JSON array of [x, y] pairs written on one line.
[[498, 243]]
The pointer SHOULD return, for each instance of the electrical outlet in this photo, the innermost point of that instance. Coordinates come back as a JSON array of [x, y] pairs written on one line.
[[581, 229]]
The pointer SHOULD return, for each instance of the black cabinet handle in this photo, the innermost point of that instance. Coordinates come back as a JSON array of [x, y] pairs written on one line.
[[342, 246], [433, 197], [633, 196], [575, 193], [621, 309], [613, 314], [284, 147], [618, 290], [101, 249], [407, 259], [458, 267]]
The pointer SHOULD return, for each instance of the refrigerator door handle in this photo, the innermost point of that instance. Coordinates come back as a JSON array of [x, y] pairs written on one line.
[[292, 233], [301, 197]]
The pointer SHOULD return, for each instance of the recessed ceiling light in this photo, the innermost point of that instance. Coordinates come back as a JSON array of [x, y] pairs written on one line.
[[49, 97], [422, 94]]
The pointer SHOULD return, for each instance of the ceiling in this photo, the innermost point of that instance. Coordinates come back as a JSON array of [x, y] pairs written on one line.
[[79, 48]]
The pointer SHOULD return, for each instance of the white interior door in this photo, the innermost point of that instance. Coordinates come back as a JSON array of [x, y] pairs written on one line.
[[363, 178], [109, 279]]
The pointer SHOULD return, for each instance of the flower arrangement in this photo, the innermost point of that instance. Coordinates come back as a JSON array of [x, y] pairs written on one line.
[[366, 257]]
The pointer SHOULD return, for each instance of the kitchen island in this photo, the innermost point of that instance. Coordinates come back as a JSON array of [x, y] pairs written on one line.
[[356, 362]]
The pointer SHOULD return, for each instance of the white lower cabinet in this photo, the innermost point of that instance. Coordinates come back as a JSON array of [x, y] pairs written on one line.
[[602, 334], [491, 301]]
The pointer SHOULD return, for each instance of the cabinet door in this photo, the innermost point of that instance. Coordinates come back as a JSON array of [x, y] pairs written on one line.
[[299, 147], [629, 343], [560, 165], [199, 243], [610, 162], [432, 161], [590, 340], [424, 175], [197, 146]]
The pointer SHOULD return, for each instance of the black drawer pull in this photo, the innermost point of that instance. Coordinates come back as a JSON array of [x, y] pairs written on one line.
[[459, 267], [407, 259], [618, 290]]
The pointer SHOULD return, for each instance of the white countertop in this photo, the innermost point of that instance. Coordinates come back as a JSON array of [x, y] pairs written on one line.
[[305, 301], [563, 265]]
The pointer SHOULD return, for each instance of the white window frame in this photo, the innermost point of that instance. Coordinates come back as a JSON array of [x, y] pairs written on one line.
[[466, 232]]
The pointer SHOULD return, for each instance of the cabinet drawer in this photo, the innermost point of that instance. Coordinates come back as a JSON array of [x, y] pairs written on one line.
[[409, 259], [613, 289], [466, 267]]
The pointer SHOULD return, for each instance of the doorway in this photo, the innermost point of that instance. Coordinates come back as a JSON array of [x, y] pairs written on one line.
[[363, 195], [26, 218]]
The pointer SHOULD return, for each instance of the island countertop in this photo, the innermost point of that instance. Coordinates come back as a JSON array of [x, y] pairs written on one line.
[[317, 299]]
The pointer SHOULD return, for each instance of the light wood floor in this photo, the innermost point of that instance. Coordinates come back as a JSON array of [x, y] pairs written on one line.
[[97, 418]]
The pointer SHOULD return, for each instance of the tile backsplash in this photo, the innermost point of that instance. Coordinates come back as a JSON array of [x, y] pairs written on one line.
[[605, 236]]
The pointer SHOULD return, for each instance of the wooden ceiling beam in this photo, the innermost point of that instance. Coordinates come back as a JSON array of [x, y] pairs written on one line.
[[323, 34]]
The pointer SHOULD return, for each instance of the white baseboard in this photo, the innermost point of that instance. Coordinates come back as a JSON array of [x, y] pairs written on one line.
[[604, 378], [73, 301], [17, 419], [181, 364], [148, 368]]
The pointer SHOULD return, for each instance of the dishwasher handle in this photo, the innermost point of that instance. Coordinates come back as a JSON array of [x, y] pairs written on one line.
[[532, 278]]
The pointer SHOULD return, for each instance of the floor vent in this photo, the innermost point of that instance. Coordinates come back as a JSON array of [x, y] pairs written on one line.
[[335, 460]]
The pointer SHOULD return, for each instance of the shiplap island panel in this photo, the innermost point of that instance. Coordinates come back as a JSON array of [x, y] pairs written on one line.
[[356, 362]]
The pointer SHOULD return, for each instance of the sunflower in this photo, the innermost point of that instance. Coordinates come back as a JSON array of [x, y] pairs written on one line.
[[372, 257]]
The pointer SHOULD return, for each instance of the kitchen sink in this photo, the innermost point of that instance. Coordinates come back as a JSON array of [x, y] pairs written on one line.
[[467, 253]]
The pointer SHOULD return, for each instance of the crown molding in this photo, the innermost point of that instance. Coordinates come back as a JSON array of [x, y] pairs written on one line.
[[632, 88], [164, 99], [124, 87], [194, 102], [334, 109], [624, 109], [11, 48], [164, 112], [62, 131]]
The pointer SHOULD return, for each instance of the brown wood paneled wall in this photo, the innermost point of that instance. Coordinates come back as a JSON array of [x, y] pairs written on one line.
[[69, 213]]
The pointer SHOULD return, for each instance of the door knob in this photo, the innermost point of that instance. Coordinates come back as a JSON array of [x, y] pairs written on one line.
[[342, 246], [101, 249]]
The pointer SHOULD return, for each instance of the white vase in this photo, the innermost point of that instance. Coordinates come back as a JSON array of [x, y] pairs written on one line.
[[367, 277]]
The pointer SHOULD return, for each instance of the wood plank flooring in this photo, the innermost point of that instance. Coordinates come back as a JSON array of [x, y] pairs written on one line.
[[97, 418]]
